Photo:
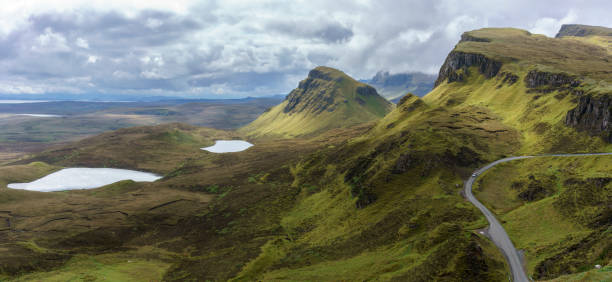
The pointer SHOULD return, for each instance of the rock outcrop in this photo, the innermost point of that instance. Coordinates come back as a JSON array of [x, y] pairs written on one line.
[[327, 98], [536, 79], [592, 115], [314, 93], [467, 37], [456, 66]]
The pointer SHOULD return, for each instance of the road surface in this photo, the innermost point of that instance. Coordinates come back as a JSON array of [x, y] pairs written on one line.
[[496, 232]]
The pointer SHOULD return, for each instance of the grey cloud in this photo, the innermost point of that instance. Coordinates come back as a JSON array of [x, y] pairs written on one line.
[[330, 32], [239, 49]]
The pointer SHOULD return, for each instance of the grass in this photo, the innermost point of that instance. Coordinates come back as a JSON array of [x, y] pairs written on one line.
[[539, 229], [376, 200], [345, 107], [574, 55], [107, 267], [599, 275], [26, 135], [544, 228]]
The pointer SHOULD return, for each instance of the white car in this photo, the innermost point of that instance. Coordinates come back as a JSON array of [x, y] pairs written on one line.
[[475, 174]]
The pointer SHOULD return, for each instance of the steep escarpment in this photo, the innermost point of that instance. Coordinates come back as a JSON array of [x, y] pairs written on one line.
[[327, 98], [592, 115], [535, 79], [533, 82], [457, 64]]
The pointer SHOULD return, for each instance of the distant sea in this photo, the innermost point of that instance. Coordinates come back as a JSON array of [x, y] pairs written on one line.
[[22, 101]]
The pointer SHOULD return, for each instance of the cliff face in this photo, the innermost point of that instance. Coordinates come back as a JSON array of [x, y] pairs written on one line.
[[326, 99], [535, 79], [455, 67], [592, 115], [319, 92]]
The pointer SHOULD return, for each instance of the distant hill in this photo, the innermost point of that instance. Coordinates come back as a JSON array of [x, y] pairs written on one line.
[[583, 30], [394, 86], [327, 98]]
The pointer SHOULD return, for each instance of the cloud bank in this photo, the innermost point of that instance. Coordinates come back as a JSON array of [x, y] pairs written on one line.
[[226, 49]]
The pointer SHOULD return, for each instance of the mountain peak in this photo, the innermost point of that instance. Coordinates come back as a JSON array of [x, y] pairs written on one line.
[[326, 73], [581, 30], [327, 98]]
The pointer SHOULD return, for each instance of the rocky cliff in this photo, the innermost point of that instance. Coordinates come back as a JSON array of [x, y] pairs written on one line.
[[592, 115], [456, 66], [319, 92], [327, 98]]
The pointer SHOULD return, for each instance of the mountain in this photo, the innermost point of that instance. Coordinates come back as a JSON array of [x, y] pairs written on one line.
[[394, 86], [327, 98], [583, 30], [555, 94], [346, 200], [556, 91]]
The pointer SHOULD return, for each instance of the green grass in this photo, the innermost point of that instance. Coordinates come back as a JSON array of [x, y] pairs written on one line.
[[600, 275], [346, 108], [547, 227], [574, 55], [108, 267], [540, 229]]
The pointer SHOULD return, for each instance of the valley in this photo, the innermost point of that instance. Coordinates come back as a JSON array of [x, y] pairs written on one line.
[[59, 122], [339, 183]]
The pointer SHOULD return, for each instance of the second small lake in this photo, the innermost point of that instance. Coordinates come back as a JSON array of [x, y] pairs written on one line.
[[228, 146]]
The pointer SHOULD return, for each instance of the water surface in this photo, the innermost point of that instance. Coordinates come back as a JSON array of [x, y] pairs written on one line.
[[228, 146], [21, 101], [83, 178], [38, 115]]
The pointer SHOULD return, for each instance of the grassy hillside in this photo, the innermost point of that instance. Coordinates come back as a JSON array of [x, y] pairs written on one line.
[[555, 209], [361, 191], [532, 82], [327, 98], [22, 135]]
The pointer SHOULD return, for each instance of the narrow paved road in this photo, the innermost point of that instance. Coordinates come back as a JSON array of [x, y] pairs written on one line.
[[496, 232]]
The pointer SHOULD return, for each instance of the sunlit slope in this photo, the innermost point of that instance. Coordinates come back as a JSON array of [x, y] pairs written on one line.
[[327, 98], [569, 197], [556, 91]]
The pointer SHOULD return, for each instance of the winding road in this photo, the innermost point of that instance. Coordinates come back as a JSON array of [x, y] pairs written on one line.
[[495, 231]]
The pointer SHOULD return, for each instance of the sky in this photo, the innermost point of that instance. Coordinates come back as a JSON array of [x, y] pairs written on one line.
[[230, 49]]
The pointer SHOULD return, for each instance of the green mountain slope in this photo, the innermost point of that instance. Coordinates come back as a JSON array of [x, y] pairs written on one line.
[[327, 98], [556, 91], [569, 197], [374, 201]]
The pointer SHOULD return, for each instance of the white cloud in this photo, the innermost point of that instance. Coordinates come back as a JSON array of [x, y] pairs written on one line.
[[92, 59], [50, 41], [154, 23], [82, 43], [550, 26]]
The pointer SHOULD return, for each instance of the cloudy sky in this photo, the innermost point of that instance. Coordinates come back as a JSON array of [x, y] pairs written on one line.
[[219, 49]]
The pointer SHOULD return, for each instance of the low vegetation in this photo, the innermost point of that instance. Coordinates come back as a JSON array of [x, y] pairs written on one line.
[[359, 191], [565, 229]]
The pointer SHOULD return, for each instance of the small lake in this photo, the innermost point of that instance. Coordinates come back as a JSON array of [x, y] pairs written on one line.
[[228, 146], [83, 178]]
